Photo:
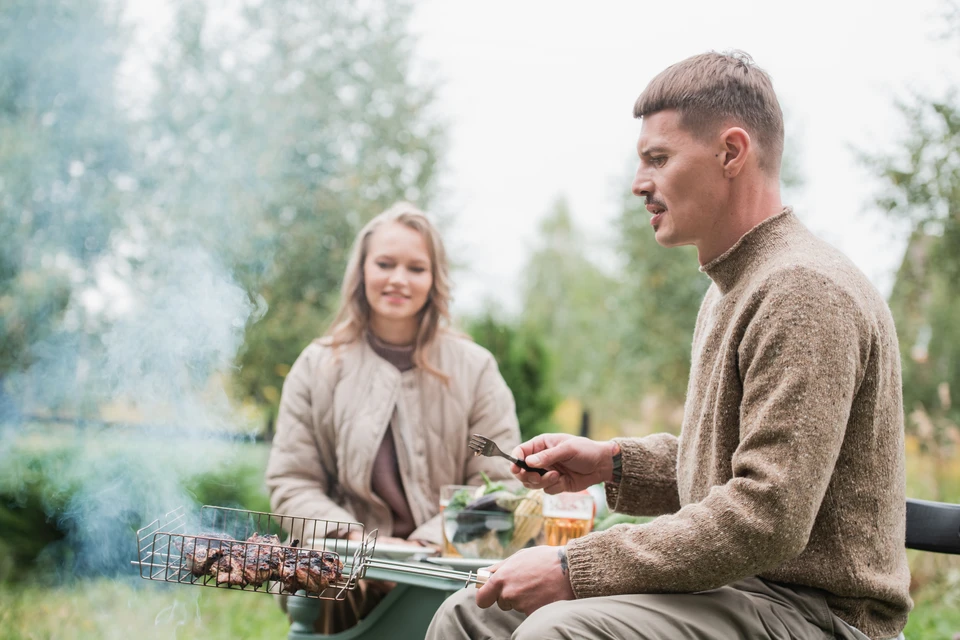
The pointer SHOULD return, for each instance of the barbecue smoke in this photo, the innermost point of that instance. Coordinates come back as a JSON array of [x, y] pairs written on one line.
[[159, 360], [119, 286]]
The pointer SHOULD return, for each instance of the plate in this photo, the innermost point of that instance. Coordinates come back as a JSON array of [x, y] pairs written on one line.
[[387, 551], [463, 564]]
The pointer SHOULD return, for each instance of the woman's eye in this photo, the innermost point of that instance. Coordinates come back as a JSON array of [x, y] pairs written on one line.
[[417, 269], [384, 265]]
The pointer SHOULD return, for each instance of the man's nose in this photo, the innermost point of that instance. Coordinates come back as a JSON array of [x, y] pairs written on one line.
[[642, 186]]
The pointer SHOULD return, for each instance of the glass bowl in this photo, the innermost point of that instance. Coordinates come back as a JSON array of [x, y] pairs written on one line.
[[491, 534]]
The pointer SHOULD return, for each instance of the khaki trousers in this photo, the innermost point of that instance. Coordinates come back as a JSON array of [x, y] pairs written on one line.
[[748, 609]]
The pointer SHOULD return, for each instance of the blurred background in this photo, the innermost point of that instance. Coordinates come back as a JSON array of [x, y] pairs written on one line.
[[180, 182]]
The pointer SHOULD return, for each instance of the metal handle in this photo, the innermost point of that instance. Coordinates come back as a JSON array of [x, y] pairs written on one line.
[[478, 578]]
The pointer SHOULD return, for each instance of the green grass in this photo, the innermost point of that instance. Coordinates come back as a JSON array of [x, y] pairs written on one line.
[[109, 609], [937, 612]]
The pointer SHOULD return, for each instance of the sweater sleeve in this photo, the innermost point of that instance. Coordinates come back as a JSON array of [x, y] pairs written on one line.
[[801, 359], [296, 474], [649, 478]]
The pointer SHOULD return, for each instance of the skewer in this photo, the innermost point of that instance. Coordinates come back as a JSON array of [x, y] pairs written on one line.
[[478, 577]]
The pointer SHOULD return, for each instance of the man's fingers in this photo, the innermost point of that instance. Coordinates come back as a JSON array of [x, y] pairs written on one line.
[[524, 449], [489, 593], [552, 456], [533, 480], [539, 443]]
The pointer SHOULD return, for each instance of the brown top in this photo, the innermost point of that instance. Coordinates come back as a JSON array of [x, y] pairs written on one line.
[[790, 462], [385, 480], [400, 356]]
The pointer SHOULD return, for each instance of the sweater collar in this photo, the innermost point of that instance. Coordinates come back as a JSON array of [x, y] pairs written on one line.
[[765, 239], [400, 356]]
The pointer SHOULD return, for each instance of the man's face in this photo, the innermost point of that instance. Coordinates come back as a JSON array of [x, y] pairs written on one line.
[[681, 179]]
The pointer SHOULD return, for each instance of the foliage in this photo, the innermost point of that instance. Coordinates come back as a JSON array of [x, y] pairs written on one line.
[[921, 189], [525, 366], [572, 304], [40, 487]]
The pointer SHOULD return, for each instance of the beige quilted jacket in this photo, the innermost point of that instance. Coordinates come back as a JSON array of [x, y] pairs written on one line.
[[336, 406]]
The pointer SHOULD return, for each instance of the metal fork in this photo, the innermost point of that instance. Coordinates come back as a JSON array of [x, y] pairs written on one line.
[[483, 446]]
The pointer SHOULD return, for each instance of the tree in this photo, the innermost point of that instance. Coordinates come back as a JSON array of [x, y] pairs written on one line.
[[921, 188], [525, 366], [63, 164], [276, 141], [572, 304]]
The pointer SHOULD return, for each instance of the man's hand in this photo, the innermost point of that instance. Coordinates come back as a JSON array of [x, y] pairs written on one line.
[[575, 463], [527, 580]]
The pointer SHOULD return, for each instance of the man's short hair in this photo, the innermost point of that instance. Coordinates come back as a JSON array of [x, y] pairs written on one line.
[[711, 89]]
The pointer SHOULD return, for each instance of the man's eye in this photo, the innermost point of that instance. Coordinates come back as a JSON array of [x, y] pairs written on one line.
[[659, 161]]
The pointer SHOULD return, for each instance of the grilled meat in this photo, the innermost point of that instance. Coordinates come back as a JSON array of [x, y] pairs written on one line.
[[310, 570], [252, 562], [201, 552], [257, 559]]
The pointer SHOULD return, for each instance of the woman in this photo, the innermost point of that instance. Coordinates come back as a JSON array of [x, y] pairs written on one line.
[[375, 416]]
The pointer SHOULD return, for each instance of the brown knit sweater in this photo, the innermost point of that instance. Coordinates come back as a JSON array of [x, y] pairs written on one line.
[[790, 462]]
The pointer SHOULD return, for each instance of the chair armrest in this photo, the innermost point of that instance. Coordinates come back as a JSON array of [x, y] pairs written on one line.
[[933, 526]]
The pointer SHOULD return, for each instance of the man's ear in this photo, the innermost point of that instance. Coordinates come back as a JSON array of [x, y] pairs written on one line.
[[736, 147]]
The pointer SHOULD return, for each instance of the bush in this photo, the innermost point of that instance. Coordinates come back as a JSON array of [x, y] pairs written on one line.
[[41, 531], [525, 365]]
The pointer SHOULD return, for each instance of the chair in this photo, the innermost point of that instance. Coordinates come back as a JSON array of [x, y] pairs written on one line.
[[933, 526]]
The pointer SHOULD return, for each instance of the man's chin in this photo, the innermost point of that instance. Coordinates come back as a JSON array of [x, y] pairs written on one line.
[[663, 237], [668, 240]]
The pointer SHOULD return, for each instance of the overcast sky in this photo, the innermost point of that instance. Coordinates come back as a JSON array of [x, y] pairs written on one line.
[[539, 94], [538, 97]]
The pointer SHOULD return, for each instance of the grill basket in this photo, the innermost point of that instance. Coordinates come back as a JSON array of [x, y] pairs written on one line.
[[169, 547]]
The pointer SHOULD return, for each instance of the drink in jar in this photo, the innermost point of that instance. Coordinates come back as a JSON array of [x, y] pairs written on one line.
[[567, 516]]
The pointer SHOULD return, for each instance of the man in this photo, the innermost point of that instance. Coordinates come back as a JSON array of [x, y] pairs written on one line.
[[782, 504]]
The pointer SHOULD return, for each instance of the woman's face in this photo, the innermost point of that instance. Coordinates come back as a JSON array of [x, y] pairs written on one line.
[[397, 277]]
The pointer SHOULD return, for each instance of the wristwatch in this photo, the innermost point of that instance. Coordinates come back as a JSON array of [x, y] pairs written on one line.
[[618, 467]]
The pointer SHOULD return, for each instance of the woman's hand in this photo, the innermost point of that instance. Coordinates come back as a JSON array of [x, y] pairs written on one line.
[[574, 463], [419, 545]]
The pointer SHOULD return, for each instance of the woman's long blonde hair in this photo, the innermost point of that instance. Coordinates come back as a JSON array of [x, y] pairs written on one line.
[[353, 317]]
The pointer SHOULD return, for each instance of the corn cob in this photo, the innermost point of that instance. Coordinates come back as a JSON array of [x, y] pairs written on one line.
[[527, 520]]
